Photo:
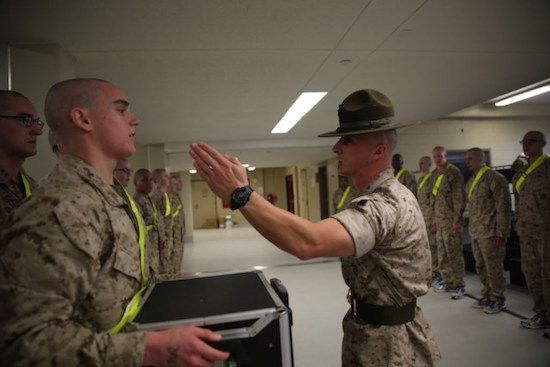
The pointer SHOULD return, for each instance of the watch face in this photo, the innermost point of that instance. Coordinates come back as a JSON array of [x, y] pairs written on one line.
[[240, 197]]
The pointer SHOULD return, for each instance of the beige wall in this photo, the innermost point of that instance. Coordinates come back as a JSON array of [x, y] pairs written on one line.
[[54, 65], [263, 181], [274, 183]]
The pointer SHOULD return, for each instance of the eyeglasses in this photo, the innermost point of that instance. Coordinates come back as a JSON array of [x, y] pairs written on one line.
[[26, 120], [529, 141], [128, 171]]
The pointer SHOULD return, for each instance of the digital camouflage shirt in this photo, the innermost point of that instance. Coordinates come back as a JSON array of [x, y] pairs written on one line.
[[155, 228], [408, 179], [448, 203], [69, 265], [424, 197], [12, 193], [391, 266], [533, 203], [178, 218], [489, 206]]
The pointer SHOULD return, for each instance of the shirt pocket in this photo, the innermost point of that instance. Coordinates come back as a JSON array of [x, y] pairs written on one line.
[[79, 229], [128, 264]]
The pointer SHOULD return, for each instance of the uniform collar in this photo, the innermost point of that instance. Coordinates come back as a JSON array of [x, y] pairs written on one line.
[[90, 175], [377, 181]]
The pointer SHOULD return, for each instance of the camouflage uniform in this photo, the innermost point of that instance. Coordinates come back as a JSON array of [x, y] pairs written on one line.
[[155, 229], [448, 205], [159, 199], [489, 216], [408, 180], [178, 232], [12, 193], [533, 227], [423, 195], [391, 266], [69, 265]]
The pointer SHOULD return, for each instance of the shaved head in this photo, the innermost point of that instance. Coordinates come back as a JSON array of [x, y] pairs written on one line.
[[64, 96], [140, 173], [158, 173], [6, 96], [439, 154], [426, 159], [387, 138], [440, 149], [477, 152]]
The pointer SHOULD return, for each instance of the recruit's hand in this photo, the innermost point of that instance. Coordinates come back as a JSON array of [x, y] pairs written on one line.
[[222, 173], [182, 346], [499, 241]]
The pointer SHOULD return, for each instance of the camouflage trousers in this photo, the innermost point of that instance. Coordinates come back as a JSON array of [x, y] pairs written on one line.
[[433, 249], [490, 268], [535, 264], [410, 344], [177, 257], [166, 259], [153, 250], [450, 256]]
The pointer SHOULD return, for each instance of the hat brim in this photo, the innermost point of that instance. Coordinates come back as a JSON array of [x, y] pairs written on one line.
[[395, 126]]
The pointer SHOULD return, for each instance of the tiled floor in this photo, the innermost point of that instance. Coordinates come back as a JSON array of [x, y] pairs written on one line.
[[466, 336]]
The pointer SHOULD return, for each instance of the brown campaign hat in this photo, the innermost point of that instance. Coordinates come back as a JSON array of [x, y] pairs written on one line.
[[365, 111]]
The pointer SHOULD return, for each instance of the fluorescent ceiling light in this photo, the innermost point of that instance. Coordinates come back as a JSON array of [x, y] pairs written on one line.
[[192, 171], [522, 96], [251, 168], [246, 165], [299, 108]]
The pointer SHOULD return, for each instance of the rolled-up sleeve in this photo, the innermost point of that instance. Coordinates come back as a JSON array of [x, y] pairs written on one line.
[[367, 221]]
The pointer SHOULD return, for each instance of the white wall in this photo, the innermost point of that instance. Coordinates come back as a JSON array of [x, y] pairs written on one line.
[[500, 136]]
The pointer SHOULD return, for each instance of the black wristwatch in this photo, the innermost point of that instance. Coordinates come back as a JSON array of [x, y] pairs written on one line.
[[240, 197]]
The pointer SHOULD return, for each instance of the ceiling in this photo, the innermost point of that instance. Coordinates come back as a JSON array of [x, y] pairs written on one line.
[[226, 71]]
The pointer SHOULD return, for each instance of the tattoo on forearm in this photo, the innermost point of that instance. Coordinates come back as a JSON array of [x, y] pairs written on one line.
[[172, 355]]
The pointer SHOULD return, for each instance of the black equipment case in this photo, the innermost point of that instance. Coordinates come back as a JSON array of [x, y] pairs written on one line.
[[243, 307]]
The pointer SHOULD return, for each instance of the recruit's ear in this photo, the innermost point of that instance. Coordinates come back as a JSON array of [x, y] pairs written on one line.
[[80, 118]]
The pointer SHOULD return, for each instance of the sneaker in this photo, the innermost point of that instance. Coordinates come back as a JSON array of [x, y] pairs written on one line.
[[458, 293], [482, 303], [547, 333], [494, 307], [437, 280], [535, 322], [441, 287]]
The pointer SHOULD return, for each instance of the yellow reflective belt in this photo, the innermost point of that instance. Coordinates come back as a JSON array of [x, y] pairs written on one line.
[[141, 232], [533, 167], [167, 209], [131, 310], [133, 307], [178, 208], [343, 199], [423, 182], [400, 173], [26, 185], [476, 180], [435, 189], [150, 227]]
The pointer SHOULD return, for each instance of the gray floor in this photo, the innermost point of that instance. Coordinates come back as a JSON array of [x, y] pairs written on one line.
[[466, 336]]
